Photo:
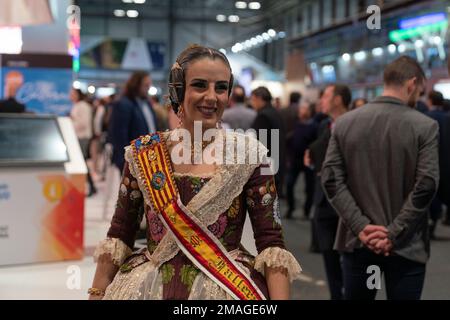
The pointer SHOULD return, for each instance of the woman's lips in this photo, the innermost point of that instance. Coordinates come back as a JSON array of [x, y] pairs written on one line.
[[207, 112]]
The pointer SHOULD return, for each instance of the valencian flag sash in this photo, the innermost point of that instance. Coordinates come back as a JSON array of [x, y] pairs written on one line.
[[193, 238]]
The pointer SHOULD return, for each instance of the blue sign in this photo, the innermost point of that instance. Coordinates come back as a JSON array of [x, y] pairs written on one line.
[[422, 20], [44, 90]]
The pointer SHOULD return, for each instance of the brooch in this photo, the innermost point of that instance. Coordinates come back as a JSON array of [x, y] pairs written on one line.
[[158, 180]]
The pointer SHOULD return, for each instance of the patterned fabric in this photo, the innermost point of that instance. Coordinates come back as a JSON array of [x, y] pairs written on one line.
[[176, 277], [259, 198]]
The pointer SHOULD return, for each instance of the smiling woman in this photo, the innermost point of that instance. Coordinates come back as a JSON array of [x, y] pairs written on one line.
[[195, 212], [206, 92]]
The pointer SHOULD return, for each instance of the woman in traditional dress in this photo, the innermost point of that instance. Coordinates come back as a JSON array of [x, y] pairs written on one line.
[[195, 210]]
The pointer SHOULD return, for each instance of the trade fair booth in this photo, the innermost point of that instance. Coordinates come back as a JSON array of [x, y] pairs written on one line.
[[42, 190]]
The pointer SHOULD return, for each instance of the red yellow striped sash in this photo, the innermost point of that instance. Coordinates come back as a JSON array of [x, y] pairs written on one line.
[[192, 237]]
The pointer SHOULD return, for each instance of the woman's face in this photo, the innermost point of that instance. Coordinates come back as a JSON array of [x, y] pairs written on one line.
[[206, 94], [256, 102], [74, 96]]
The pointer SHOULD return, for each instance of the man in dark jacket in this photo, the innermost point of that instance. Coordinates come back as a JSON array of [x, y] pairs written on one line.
[[436, 112], [268, 118], [380, 174], [335, 102], [132, 116], [304, 133]]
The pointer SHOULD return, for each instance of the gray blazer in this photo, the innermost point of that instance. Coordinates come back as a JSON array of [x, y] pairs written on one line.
[[382, 168]]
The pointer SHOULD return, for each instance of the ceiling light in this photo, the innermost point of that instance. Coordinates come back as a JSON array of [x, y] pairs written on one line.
[[401, 48], [377, 52], [281, 34], [437, 40], [254, 5], [271, 33], [233, 18], [392, 48], [76, 84], [359, 56], [236, 48], [265, 36], [91, 89], [221, 18], [241, 4], [419, 43], [132, 13], [127, 1], [139, 1], [119, 13], [346, 57]]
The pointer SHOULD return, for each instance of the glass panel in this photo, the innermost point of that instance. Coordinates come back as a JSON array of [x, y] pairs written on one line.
[[29, 140]]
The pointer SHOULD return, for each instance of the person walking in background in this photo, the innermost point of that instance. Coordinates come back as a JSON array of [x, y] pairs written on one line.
[[436, 112], [132, 116], [290, 114], [97, 142], [237, 115], [304, 133], [319, 115], [381, 173], [335, 102], [162, 113], [358, 103], [269, 119], [82, 119]]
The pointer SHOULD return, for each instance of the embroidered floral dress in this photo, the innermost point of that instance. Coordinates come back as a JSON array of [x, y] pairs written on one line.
[[160, 271]]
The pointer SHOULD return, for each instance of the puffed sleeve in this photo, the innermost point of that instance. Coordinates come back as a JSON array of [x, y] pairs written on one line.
[[264, 209], [125, 222]]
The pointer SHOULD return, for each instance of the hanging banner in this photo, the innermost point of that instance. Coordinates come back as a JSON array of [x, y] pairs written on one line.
[[132, 54]]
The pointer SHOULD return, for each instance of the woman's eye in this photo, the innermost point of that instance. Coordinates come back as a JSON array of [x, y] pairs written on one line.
[[222, 87], [198, 85]]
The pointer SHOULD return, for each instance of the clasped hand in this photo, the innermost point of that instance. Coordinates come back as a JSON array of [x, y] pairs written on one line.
[[376, 239]]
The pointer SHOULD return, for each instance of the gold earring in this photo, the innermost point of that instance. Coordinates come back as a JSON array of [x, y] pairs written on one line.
[[180, 116]]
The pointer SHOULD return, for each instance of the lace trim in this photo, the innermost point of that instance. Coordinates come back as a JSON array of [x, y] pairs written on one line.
[[145, 283], [217, 194], [194, 175], [278, 257], [118, 250], [138, 284]]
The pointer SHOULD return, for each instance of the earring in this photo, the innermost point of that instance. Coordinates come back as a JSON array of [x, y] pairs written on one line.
[[180, 116], [219, 124]]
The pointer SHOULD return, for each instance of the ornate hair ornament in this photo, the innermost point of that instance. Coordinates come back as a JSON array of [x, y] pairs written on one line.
[[176, 65]]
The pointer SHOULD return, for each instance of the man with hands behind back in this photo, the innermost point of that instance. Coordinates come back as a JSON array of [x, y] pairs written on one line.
[[380, 174]]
